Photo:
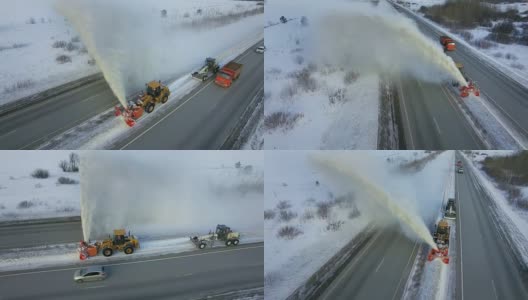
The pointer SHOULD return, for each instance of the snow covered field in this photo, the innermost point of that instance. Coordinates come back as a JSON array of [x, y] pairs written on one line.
[[25, 197], [515, 219], [28, 31], [311, 212], [309, 105]]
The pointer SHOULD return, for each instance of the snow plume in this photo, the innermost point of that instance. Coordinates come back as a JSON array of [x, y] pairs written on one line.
[[132, 44], [395, 196], [180, 193], [366, 38]]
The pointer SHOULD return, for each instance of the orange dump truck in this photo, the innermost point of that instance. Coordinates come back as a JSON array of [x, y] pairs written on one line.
[[229, 73], [448, 43]]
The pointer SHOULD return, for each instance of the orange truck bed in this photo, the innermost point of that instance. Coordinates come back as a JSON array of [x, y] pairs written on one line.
[[228, 73]]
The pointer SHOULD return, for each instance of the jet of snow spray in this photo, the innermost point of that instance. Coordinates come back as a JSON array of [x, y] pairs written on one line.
[[377, 194], [377, 39]]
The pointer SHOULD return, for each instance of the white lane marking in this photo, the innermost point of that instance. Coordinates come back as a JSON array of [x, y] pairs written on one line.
[[381, 262], [460, 238], [93, 287], [494, 289], [401, 277], [133, 262], [406, 115], [437, 127], [363, 251], [10, 132]]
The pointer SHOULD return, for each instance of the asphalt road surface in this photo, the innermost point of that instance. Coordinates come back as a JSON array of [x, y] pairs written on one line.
[[30, 235], [486, 269], [178, 276], [508, 96], [205, 118], [378, 271], [29, 127], [431, 118], [201, 123]]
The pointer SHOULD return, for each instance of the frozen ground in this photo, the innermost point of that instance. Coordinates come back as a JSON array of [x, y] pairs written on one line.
[[310, 213], [25, 197], [516, 220], [309, 105], [27, 55], [67, 255], [511, 59]]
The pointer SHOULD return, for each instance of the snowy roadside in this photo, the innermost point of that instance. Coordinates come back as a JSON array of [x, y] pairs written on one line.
[[435, 280], [66, 254], [511, 220], [105, 130]]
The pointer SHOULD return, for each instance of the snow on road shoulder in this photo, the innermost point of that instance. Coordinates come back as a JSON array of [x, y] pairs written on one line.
[[513, 219], [23, 196], [62, 255]]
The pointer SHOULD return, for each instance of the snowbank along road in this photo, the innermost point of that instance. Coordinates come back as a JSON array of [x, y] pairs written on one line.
[[203, 120], [505, 94], [178, 276]]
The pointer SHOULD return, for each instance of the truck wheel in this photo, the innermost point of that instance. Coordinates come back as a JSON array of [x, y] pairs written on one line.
[[235, 242], [164, 99], [107, 252], [228, 243], [79, 281], [204, 78], [150, 108], [202, 245], [129, 250]]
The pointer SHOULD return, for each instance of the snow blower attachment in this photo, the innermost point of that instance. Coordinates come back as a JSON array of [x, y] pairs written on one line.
[[119, 242], [156, 93], [222, 233], [470, 88], [441, 238]]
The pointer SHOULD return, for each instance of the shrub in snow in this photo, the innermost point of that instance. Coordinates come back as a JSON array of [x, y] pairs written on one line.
[[63, 59], [337, 96], [75, 39], [59, 44], [289, 232], [66, 180], [299, 59], [345, 201], [186, 15], [72, 165], [517, 66], [308, 215], [354, 213], [288, 91], [25, 204], [281, 119], [71, 47], [91, 62], [502, 32], [335, 225], [269, 214], [323, 209], [287, 215], [83, 50], [65, 209], [40, 174], [19, 85], [163, 13], [510, 56], [283, 204], [305, 80], [350, 77], [32, 21], [304, 21], [199, 11]]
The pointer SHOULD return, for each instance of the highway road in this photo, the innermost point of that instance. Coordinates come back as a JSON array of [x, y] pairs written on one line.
[[203, 120], [486, 269], [30, 235], [431, 118], [378, 271], [177, 276], [509, 97], [206, 117]]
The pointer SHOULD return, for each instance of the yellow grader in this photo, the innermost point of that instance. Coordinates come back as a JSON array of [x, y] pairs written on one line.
[[120, 242], [441, 238], [156, 92]]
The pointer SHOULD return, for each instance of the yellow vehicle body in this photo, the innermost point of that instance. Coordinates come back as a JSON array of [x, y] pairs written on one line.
[[155, 93], [120, 242]]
